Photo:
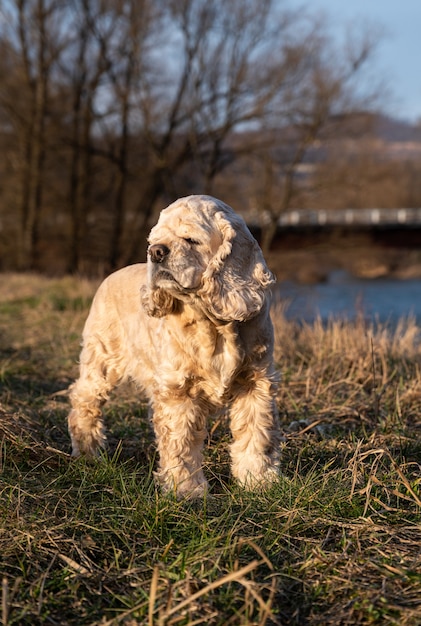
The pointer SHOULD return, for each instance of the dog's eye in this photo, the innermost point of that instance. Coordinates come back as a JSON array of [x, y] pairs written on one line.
[[192, 242]]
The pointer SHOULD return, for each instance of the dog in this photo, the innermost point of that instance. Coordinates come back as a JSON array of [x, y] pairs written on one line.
[[192, 328]]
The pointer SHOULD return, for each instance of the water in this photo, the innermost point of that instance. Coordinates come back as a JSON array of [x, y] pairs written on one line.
[[343, 296]]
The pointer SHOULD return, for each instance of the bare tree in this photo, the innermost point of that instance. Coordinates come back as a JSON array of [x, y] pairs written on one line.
[[85, 68], [126, 104], [317, 102], [139, 24], [218, 78], [35, 52]]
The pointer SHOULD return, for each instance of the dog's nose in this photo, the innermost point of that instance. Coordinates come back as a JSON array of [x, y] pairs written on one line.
[[158, 252]]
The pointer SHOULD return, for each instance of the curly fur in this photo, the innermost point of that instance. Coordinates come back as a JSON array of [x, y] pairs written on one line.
[[192, 329]]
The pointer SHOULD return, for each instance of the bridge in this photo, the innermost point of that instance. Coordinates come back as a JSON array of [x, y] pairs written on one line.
[[370, 218]]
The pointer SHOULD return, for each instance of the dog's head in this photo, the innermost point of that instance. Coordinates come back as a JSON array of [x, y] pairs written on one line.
[[201, 249]]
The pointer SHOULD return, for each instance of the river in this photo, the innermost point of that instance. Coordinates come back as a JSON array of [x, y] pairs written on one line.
[[344, 296]]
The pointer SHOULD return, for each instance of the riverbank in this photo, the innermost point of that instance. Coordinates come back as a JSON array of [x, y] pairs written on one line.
[[311, 257]]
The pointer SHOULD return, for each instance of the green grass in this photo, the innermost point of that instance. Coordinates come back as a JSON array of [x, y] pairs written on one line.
[[335, 541]]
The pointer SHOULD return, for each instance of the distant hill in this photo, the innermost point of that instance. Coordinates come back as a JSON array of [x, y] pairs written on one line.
[[393, 130]]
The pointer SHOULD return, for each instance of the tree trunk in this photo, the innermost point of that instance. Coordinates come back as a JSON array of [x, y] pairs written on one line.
[[35, 139], [137, 245]]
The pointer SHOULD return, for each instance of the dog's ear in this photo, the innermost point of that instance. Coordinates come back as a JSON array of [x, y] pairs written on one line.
[[236, 280], [157, 302]]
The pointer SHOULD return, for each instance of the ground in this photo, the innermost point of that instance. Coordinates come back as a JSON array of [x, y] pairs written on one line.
[[335, 541]]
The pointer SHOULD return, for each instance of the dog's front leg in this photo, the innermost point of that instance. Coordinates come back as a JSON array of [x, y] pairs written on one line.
[[180, 429], [255, 430]]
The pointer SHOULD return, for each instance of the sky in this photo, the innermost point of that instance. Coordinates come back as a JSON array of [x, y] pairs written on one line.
[[398, 57]]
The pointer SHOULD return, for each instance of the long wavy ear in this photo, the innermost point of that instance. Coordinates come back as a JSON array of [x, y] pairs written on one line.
[[236, 280], [157, 302]]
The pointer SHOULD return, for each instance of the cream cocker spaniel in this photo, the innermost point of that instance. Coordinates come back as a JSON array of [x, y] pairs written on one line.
[[191, 327]]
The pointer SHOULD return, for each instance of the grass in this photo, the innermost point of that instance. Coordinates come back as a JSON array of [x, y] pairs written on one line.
[[335, 541]]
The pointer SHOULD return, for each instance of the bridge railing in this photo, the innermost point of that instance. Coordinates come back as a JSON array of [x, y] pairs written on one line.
[[356, 217]]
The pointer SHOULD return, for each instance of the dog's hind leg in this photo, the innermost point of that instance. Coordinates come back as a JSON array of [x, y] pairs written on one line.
[[87, 395]]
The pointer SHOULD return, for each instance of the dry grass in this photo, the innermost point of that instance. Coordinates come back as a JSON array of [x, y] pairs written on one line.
[[336, 541]]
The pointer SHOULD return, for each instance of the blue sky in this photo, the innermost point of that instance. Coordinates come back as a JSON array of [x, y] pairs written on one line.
[[398, 57]]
